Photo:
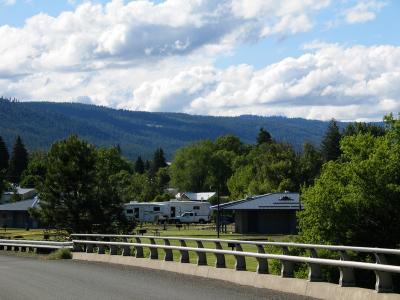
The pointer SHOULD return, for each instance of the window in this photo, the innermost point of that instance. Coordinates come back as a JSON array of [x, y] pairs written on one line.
[[196, 207], [129, 211], [191, 214], [156, 208]]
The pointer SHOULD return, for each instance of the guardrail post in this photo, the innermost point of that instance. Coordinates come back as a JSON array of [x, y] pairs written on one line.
[[75, 248], [169, 255], [138, 249], [201, 256], [153, 251], [101, 249], [262, 267], [220, 263], [240, 260], [126, 250], [184, 253], [384, 281], [346, 274], [287, 266], [113, 250], [314, 273], [89, 248], [1, 247]]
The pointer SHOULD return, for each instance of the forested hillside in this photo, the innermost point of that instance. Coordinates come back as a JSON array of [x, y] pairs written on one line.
[[139, 133]]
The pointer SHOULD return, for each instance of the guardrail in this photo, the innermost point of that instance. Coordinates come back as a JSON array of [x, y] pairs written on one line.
[[382, 270], [33, 246]]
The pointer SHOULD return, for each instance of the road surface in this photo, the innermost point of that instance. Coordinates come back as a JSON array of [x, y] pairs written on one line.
[[33, 278]]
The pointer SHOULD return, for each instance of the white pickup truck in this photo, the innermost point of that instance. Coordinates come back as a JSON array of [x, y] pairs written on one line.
[[191, 217]]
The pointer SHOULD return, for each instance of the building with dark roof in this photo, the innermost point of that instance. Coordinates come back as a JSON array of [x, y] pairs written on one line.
[[273, 213], [16, 215]]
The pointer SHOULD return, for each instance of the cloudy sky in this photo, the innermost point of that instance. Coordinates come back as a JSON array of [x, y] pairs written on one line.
[[316, 59]]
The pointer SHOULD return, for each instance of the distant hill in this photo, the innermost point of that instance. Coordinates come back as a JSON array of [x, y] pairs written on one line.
[[139, 133]]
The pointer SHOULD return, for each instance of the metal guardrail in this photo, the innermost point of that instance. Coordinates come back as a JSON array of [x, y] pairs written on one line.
[[346, 267], [30, 245]]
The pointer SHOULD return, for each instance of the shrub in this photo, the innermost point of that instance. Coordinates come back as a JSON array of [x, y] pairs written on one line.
[[62, 253]]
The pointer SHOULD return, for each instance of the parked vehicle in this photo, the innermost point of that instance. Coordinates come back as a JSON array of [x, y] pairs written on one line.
[[168, 211], [192, 217]]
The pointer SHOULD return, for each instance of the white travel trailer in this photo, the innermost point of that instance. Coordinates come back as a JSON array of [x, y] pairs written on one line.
[[169, 210]]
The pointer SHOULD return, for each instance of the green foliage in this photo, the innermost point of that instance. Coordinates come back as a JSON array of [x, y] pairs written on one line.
[[78, 193], [18, 161], [361, 127], [35, 173], [158, 161], [263, 137], [139, 165], [310, 163], [330, 146], [267, 168], [190, 168], [62, 253], [4, 157], [356, 199]]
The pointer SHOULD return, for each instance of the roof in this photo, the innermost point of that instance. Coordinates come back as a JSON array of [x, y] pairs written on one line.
[[20, 191], [196, 196], [276, 201], [20, 205]]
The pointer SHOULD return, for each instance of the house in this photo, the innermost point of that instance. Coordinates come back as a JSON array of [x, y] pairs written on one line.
[[23, 194], [16, 215], [273, 213], [194, 196]]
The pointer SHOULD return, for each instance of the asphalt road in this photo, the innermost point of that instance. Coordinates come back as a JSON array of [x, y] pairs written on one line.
[[32, 278]]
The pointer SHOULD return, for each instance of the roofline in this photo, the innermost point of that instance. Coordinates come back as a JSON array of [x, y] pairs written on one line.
[[250, 198]]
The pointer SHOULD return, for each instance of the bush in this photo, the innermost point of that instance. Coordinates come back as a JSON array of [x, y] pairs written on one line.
[[62, 253]]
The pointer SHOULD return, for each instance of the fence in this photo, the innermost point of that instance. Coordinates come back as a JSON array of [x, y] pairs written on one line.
[[383, 271], [34, 246]]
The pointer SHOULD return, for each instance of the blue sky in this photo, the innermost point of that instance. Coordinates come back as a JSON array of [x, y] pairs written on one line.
[[314, 59]]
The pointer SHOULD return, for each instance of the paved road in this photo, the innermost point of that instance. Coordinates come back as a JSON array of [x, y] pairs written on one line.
[[31, 278]]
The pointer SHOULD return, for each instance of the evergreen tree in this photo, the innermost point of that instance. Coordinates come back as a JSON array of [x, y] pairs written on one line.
[[263, 137], [139, 165], [18, 161], [158, 160], [330, 146], [4, 157], [147, 165]]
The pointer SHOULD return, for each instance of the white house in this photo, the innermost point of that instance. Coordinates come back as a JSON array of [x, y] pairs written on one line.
[[194, 196]]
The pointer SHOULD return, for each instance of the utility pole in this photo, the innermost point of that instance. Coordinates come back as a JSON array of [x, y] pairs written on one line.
[[218, 212]]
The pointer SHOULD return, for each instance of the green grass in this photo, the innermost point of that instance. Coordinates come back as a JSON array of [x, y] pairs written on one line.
[[32, 234]]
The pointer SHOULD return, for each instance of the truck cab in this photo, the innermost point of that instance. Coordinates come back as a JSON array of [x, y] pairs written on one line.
[[192, 217]]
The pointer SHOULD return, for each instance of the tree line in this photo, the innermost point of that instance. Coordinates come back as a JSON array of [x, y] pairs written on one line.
[[82, 188]]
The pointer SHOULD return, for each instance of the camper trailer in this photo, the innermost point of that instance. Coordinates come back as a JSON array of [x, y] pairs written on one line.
[[168, 211]]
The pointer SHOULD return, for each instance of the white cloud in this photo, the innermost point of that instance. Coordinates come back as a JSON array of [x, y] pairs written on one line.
[[333, 81], [363, 11], [8, 2], [159, 57], [96, 36]]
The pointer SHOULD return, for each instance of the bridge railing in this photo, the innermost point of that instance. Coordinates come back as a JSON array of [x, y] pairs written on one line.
[[346, 267], [32, 245]]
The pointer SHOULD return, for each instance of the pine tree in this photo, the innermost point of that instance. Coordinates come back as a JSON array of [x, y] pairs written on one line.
[[158, 160], [139, 165], [18, 161], [263, 137], [330, 146], [4, 157], [147, 165]]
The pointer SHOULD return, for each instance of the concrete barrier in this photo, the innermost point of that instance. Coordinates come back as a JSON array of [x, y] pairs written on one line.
[[319, 290]]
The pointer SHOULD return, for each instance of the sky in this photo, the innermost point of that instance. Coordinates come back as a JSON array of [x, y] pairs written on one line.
[[314, 59]]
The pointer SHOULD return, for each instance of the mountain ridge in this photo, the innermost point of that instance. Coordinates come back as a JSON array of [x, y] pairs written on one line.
[[139, 132]]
